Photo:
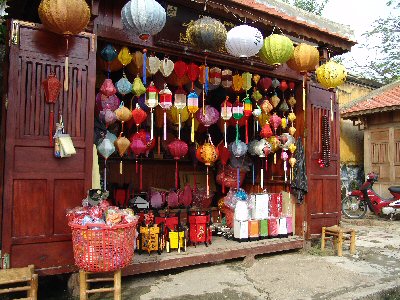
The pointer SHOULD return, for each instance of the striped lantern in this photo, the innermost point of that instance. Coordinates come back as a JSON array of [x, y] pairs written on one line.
[[244, 41]]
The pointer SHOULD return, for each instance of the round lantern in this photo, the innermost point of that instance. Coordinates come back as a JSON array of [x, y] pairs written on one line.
[[123, 86], [276, 121], [151, 102], [238, 149], [143, 18], [123, 114], [207, 34], [178, 149], [244, 41], [265, 83], [305, 58], [207, 117], [153, 64], [266, 131], [208, 154], [165, 103], [180, 68], [277, 49]]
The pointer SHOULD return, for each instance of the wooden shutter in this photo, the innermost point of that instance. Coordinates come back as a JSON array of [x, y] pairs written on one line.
[[38, 188], [323, 198]]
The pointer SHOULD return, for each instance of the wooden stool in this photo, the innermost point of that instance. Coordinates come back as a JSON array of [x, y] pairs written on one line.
[[20, 275], [338, 237], [84, 282]]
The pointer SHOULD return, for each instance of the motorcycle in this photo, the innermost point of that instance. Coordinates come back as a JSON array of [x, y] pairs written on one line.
[[356, 204]]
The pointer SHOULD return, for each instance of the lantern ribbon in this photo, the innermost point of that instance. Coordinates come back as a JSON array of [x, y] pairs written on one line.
[[151, 124], [66, 70], [247, 131], [225, 139], [165, 124], [237, 132], [105, 174], [120, 167], [208, 184], [304, 91], [252, 166], [331, 107], [176, 174], [192, 132], [262, 174], [179, 124], [238, 178], [285, 169], [144, 66]]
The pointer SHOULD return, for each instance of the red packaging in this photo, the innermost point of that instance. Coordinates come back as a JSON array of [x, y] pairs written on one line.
[[273, 227]]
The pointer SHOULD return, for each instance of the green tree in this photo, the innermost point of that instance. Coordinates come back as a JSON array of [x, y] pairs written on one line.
[[312, 6]]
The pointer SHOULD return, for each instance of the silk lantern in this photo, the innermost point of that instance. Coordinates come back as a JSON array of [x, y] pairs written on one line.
[[238, 149], [123, 85], [208, 154], [275, 143], [139, 116], [165, 103], [143, 18], [237, 110], [167, 67], [153, 64], [105, 148], [237, 83], [276, 50], [226, 79], [178, 149], [259, 150], [107, 88], [207, 116], [247, 111], [108, 54], [330, 75], [138, 147], [215, 76], [193, 106], [51, 87], [193, 73], [265, 83], [305, 59], [151, 102], [244, 41], [276, 121], [122, 145], [138, 87], [180, 103], [266, 131], [65, 17], [123, 114], [207, 34], [180, 68], [226, 115]]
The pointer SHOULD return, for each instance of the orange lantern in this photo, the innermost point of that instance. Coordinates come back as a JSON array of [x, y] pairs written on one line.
[[208, 155]]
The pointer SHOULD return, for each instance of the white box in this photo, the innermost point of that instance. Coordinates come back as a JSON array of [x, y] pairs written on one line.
[[282, 228], [260, 204], [241, 230]]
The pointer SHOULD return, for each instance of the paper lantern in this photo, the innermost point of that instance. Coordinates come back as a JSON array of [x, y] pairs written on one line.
[[193, 106], [153, 65], [178, 149], [266, 131], [107, 88], [122, 145], [291, 102], [237, 83], [206, 34], [180, 98], [244, 41], [151, 102], [105, 148], [143, 18], [167, 67], [292, 131], [125, 56], [208, 117], [165, 103], [123, 86], [305, 58], [208, 154], [51, 87], [138, 115], [276, 50], [226, 79], [138, 87], [265, 83], [266, 106], [275, 121], [180, 68], [215, 76]]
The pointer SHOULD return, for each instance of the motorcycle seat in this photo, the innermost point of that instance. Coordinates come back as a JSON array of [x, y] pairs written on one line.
[[394, 189]]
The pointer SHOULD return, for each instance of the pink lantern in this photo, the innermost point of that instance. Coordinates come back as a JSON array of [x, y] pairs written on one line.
[[107, 88], [276, 121], [265, 83], [178, 149], [165, 103], [266, 131], [208, 117]]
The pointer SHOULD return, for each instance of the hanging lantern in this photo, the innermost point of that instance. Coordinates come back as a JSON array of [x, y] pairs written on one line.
[[330, 75], [257, 96], [122, 145], [153, 64], [178, 149], [125, 56], [180, 68], [180, 103], [266, 131], [226, 114], [123, 86], [243, 41], [207, 117], [277, 49], [263, 119], [256, 78], [238, 149], [276, 121], [284, 106], [208, 154], [224, 156], [108, 54], [291, 102], [226, 79], [65, 17], [138, 115], [292, 131], [283, 86], [247, 111], [275, 143], [291, 117], [265, 83], [286, 141], [275, 101], [143, 18], [266, 106], [275, 83], [138, 87], [165, 103], [147, 141], [246, 76], [292, 162], [173, 115], [151, 102], [256, 114], [193, 73], [107, 88], [305, 58], [52, 87], [215, 76], [284, 123], [237, 110], [206, 34], [237, 83], [105, 148], [193, 106], [167, 67], [108, 116], [123, 114]]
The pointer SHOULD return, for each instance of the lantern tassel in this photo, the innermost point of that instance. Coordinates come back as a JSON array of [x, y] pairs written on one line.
[[225, 139], [105, 174], [285, 169], [206, 80], [51, 125], [247, 131], [275, 158], [238, 177], [179, 125], [144, 66], [331, 107], [237, 132], [66, 66], [223, 179], [304, 91], [137, 168], [141, 178], [120, 167], [192, 132], [204, 101], [176, 175], [208, 184], [152, 124], [165, 124], [262, 179], [158, 146], [253, 169]]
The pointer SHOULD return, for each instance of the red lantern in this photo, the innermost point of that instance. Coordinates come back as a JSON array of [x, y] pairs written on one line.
[[178, 149], [266, 131], [138, 147], [291, 85], [146, 139], [193, 73], [138, 115], [52, 87], [180, 68], [107, 88], [265, 83], [165, 103], [224, 156], [284, 86]]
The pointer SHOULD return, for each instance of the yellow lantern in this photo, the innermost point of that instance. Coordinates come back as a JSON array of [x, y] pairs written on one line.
[[277, 49], [173, 115], [125, 56], [208, 155]]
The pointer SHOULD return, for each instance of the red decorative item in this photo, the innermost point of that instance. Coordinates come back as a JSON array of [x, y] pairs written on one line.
[[138, 147], [284, 86], [193, 73], [276, 121], [265, 83], [224, 156], [138, 115], [178, 149], [52, 87], [180, 68], [146, 139], [107, 88], [291, 85], [266, 131], [199, 229]]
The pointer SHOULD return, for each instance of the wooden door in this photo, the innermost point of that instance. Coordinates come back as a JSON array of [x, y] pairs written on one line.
[[323, 197], [38, 188]]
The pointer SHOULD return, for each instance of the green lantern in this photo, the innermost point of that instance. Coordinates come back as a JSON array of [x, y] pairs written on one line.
[[277, 49]]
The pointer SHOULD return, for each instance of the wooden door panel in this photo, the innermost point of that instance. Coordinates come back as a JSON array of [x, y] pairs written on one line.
[[39, 187]]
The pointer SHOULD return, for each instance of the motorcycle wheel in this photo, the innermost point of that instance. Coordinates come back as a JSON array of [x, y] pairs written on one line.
[[353, 208]]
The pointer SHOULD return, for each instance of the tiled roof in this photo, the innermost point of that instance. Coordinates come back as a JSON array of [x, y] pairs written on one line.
[[386, 98], [285, 11]]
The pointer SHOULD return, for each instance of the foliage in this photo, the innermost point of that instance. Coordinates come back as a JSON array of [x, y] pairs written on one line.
[[312, 6]]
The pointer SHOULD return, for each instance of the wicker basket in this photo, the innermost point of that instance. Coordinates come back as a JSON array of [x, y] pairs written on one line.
[[102, 248]]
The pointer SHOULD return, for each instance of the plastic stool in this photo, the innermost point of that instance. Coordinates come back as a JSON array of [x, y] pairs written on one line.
[[338, 237], [84, 282]]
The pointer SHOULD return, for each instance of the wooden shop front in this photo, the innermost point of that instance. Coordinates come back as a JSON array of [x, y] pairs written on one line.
[[38, 188]]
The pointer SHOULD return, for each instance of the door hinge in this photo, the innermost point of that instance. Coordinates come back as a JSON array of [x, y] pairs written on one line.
[[14, 33], [4, 260], [6, 103]]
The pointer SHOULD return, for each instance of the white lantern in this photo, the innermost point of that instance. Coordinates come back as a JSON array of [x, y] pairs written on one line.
[[244, 41], [143, 17]]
